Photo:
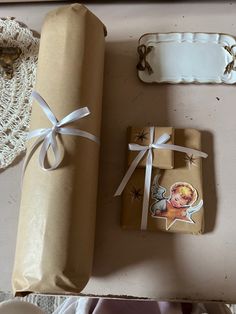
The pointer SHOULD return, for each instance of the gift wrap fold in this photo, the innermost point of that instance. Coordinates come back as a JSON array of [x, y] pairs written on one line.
[[175, 199], [56, 228]]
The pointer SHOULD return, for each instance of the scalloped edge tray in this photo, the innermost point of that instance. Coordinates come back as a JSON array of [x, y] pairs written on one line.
[[189, 58]]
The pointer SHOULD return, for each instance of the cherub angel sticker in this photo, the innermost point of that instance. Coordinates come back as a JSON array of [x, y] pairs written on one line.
[[178, 206]]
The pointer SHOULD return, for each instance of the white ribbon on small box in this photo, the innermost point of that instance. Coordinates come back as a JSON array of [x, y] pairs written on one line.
[[47, 136], [159, 144]]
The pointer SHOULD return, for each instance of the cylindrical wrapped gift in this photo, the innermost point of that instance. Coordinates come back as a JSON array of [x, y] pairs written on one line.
[[57, 215]]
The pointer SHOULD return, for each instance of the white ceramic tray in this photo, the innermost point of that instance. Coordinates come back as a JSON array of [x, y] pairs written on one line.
[[187, 58]]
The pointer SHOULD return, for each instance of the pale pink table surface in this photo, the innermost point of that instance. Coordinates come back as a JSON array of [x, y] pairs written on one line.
[[141, 264]]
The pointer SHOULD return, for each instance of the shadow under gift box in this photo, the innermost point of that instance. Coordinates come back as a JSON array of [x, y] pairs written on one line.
[[55, 238]]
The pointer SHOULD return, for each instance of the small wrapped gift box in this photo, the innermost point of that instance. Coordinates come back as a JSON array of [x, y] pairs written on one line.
[[173, 201], [162, 159]]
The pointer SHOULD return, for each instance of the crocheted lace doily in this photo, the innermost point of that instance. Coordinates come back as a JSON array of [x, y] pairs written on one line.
[[15, 100]]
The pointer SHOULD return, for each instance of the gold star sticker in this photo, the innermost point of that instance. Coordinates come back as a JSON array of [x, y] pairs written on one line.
[[141, 136], [136, 194], [191, 160], [171, 219], [171, 215]]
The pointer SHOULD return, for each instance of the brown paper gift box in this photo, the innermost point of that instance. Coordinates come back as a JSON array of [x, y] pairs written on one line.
[[57, 214], [187, 170], [163, 158]]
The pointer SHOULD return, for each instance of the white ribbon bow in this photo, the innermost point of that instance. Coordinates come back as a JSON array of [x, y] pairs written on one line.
[[48, 135], [159, 144]]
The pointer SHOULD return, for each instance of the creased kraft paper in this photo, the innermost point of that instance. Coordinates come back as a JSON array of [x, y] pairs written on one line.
[[57, 215]]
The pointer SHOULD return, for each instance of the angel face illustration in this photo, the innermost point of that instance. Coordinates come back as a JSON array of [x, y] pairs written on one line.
[[178, 206], [182, 194]]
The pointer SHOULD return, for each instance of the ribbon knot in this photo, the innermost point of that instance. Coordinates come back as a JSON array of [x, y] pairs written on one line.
[[55, 129], [143, 64], [230, 67], [159, 144], [47, 136]]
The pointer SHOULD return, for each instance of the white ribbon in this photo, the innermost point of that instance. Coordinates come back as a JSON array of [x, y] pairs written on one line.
[[159, 144], [48, 135]]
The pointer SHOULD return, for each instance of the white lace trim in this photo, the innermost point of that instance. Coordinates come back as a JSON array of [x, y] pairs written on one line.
[[15, 101]]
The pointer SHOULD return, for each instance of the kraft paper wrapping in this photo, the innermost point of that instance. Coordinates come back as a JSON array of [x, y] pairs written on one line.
[[162, 159], [57, 215], [187, 170]]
